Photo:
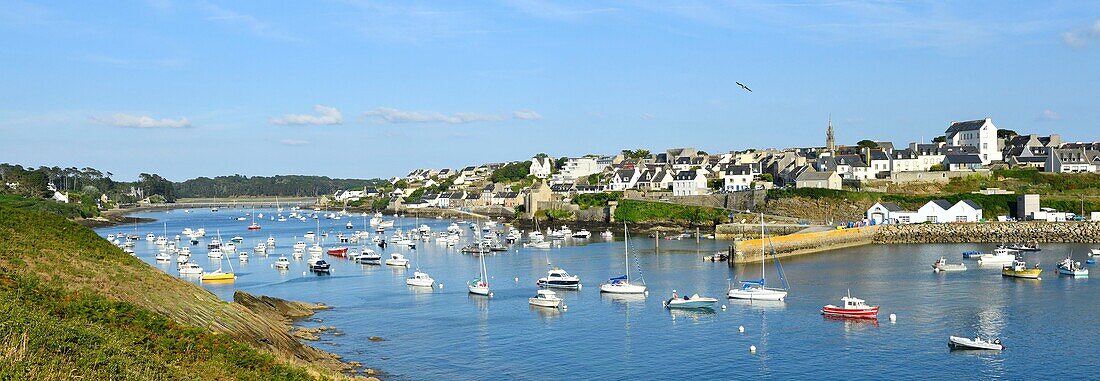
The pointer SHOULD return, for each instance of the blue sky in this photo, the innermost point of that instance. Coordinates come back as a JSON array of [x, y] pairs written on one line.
[[373, 89]]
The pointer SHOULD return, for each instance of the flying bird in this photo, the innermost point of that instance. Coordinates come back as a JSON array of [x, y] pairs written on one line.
[[743, 86]]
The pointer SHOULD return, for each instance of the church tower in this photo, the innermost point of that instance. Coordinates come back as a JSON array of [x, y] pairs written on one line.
[[829, 142]]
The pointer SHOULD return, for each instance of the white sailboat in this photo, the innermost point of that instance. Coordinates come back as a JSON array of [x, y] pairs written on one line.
[[419, 279], [480, 286], [756, 289], [621, 284]]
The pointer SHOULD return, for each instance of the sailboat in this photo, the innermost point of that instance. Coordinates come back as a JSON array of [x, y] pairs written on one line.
[[215, 207], [756, 289], [254, 225], [219, 275], [419, 279], [480, 286], [621, 284]]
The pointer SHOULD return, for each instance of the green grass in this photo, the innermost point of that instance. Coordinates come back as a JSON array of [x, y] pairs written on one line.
[[992, 205], [69, 309], [599, 200], [644, 211], [72, 210]]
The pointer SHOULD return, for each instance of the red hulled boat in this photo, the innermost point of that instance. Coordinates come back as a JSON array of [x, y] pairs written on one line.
[[851, 308], [338, 252]]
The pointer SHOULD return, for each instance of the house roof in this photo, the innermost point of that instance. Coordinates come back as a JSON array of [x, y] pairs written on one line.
[[904, 154], [850, 160], [969, 125], [963, 159], [943, 204], [891, 206], [878, 155], [809, 175], [972, 204], [737, 170], [685, 175]]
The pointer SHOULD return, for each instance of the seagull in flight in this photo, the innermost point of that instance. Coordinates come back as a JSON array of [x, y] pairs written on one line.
[[744, 87]]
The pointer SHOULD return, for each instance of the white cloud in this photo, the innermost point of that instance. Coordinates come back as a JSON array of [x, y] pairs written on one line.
[[141, 121], [328, 116], [294, 142], [1048, 115], [526, 115], [1082, 37], [392, 115], [250, 23], [648, 116]]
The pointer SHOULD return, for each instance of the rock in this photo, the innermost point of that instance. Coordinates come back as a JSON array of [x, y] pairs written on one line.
[[369, 371], [376, 339]]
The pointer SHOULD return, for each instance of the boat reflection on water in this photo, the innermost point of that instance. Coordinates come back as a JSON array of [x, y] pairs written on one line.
[[765, 305], [481, 301], [624, 299], [547, 313], [853, 324], [695, 314]]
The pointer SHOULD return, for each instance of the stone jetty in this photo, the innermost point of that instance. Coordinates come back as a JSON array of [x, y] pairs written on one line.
[[991, 232]]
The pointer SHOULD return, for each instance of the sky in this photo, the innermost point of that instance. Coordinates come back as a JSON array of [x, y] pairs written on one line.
[[365, 89]]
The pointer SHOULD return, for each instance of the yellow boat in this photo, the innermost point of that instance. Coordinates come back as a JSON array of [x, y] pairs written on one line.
[[1019, 269], [218, 276]]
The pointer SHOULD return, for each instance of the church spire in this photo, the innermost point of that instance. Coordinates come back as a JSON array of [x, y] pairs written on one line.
[[829, 142]]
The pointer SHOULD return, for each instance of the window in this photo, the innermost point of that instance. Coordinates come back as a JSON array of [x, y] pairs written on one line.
[[960, 218], [933, 219], [903, 219]]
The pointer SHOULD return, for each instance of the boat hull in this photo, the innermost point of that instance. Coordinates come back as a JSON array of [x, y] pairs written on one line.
[[1082, 272], [620, 288], [559, 284], [955, 342], [478, 290], [1026, 274], [833, 311], [691, 304], [758, 294], [549, 303], [397, 262]]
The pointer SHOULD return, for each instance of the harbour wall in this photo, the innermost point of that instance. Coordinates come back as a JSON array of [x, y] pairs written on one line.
[[749, 251], [992, 232]]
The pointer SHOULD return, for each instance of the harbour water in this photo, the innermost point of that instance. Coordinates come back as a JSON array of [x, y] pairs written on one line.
[[1048, 325]]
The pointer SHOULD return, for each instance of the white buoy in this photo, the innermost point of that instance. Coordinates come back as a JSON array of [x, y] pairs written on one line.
[[440, 285], [893, 318], [723, 307], [490, 295], [752, 348], [564, 307], [741, 328], [517, 279]]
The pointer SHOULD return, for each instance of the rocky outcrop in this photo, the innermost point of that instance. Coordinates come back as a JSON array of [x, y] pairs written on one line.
[[993, 232]]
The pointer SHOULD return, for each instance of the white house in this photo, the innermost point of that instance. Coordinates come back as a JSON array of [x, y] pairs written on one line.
[[689, 183], [541, 166], [935, 211], [578, 167], [736, 178], [980, 133], [1074, 160], [623, 179]]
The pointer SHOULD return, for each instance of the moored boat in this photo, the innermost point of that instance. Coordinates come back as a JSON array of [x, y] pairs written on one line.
[[420, 279], [1002, 255], [545, 298], [397, 260], [341, 252], [956, 342], [1071, 268], [1019, 269], [851, 308], [942, 265], [693, 302], [558, 278]]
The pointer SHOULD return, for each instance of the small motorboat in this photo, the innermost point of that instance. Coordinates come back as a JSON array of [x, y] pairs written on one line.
[[349, 226], [545, 298], [558, 278], [1002, 255], [1025, 247], [163, 256], [282, 263], [720, 256], [1071, 268], [851, 308], [538, 245], [607, 234], [955, 342], [189, 268], [942, 265], [369, 257], [318, 265], [1094, 253], [1019, 269], [582, 234], [254, 226], [420, 279], [397, 260], [693, 302], [972, 254]]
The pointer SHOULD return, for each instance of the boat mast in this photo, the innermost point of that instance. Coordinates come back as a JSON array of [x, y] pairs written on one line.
[[626, 244], [761, 247]]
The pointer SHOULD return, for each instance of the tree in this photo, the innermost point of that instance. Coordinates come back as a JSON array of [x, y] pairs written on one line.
[[937, 167], [767, 177], [865, 143], [511, 172], [1005, 133], [939, 139], [637, 154]]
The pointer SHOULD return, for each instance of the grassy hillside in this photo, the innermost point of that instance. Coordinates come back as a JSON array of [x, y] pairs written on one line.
[[73, 210], [635, 211], [74, 306]]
